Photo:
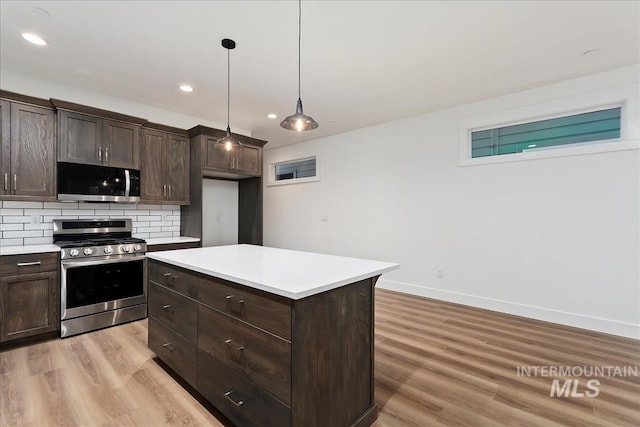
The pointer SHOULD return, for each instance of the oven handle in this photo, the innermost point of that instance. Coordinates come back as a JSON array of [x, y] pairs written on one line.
[[68, 264]]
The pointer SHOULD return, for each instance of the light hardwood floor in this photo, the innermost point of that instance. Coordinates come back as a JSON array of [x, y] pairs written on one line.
[[436, 364]]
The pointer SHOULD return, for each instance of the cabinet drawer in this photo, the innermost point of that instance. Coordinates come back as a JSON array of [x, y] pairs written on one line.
[[239, 399], [174, 279], [28, 263], [173, 310], [263, 358], [268, 312], [174, 350]]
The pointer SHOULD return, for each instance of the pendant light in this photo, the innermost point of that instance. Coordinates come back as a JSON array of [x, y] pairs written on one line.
[[229, 142], [299, 121]]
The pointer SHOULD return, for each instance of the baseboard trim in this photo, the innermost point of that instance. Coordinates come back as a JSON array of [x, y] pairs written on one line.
[[608, 326]]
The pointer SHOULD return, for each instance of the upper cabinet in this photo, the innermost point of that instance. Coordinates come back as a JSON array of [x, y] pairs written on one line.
[[240, 162], [164, 165], [97, 137], [27, 148]]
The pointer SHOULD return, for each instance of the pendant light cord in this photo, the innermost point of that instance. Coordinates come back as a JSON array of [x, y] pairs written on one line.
[[228, 86], [299, 37]]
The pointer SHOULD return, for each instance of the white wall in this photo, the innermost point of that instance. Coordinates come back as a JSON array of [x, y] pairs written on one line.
[[219, 212], [556, 238]]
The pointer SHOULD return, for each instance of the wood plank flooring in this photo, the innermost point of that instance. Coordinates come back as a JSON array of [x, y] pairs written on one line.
[[436, 364]]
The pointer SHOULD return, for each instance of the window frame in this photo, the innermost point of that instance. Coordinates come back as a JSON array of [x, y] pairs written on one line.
[[531, 111], [271, 177]]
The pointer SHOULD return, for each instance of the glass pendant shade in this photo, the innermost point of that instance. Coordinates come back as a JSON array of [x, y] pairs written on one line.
[[228, 142], [299, 121]]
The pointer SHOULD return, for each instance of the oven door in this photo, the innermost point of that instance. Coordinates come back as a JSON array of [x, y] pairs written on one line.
[[95, 286]]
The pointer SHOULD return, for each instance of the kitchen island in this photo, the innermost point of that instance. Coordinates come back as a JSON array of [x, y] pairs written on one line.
[[271, 337]]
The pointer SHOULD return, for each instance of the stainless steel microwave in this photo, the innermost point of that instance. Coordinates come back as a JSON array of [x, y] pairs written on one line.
[[92, 183]]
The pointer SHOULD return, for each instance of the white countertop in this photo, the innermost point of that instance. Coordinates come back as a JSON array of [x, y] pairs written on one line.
[[291, 274], [28, 249], [171, 240]]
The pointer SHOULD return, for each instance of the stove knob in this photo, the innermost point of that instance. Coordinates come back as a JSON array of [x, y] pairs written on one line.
[[137, 248], [74, 252], [88, 251], [108, 250], [125, 248]]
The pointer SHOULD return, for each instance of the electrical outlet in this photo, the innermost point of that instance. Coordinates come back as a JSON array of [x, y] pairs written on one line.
[[440, 273], [324, 218]]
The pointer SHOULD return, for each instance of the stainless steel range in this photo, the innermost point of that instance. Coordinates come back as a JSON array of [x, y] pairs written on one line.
[[103, 274]]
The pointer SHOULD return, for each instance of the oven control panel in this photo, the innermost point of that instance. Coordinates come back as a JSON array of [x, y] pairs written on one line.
[[103, 251]]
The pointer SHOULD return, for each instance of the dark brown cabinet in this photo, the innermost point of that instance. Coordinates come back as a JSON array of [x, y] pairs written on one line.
[[93, 140], [240, 161], [164, 166], [27, 151], [262, 359], [93, 136], [29, 295]]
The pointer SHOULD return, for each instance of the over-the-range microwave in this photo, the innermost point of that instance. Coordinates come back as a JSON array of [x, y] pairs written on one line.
[[91, 183]]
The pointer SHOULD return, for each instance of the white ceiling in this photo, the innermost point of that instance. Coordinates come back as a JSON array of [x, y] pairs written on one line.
[[363, 62]]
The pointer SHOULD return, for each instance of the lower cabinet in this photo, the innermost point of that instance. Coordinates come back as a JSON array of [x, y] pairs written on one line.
[[262, 359], [29, 296]]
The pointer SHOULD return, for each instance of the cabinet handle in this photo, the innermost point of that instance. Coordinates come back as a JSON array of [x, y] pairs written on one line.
[[166, 274], [106, 155], [169, 347], [28, 264], [238, 404], [6, 181], [230, 303], [167, 307], [169, 190], [15, 182], [228, 342], [164, 190], [100, 154]]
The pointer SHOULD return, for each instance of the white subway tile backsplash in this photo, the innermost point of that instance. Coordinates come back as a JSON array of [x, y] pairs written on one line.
[[6, 219], [21, 234], [42, 212], [41, 226], [38, 240], [149, 220], [11, 211], [11, 227], [148, 207], [11, 242], [21, 205], [61, 205]]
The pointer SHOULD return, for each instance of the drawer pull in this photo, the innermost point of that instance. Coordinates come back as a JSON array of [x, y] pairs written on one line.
[[238, 404], [28, 264], [167, 307], [228, 342], [169, 347], [239, 303]]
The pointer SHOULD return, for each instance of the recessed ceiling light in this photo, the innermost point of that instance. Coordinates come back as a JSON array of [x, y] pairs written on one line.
[[32, 38], [272, 116], [186, 88]]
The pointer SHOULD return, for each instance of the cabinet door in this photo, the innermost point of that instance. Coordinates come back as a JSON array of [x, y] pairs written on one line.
[[121, 144], [152, 155], [5, 146], [217, 158], [80, 138], [28, 305], [178, 169], [32, 151], [249, 160]]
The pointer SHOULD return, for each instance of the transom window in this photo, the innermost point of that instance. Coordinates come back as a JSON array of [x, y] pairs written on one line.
[[593, 126]]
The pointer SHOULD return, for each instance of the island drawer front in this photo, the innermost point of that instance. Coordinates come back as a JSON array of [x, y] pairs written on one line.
[[174, 350], [240, 400], [263, 358], [269, 312], [173, 310], [173, 278], [11, 265]]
